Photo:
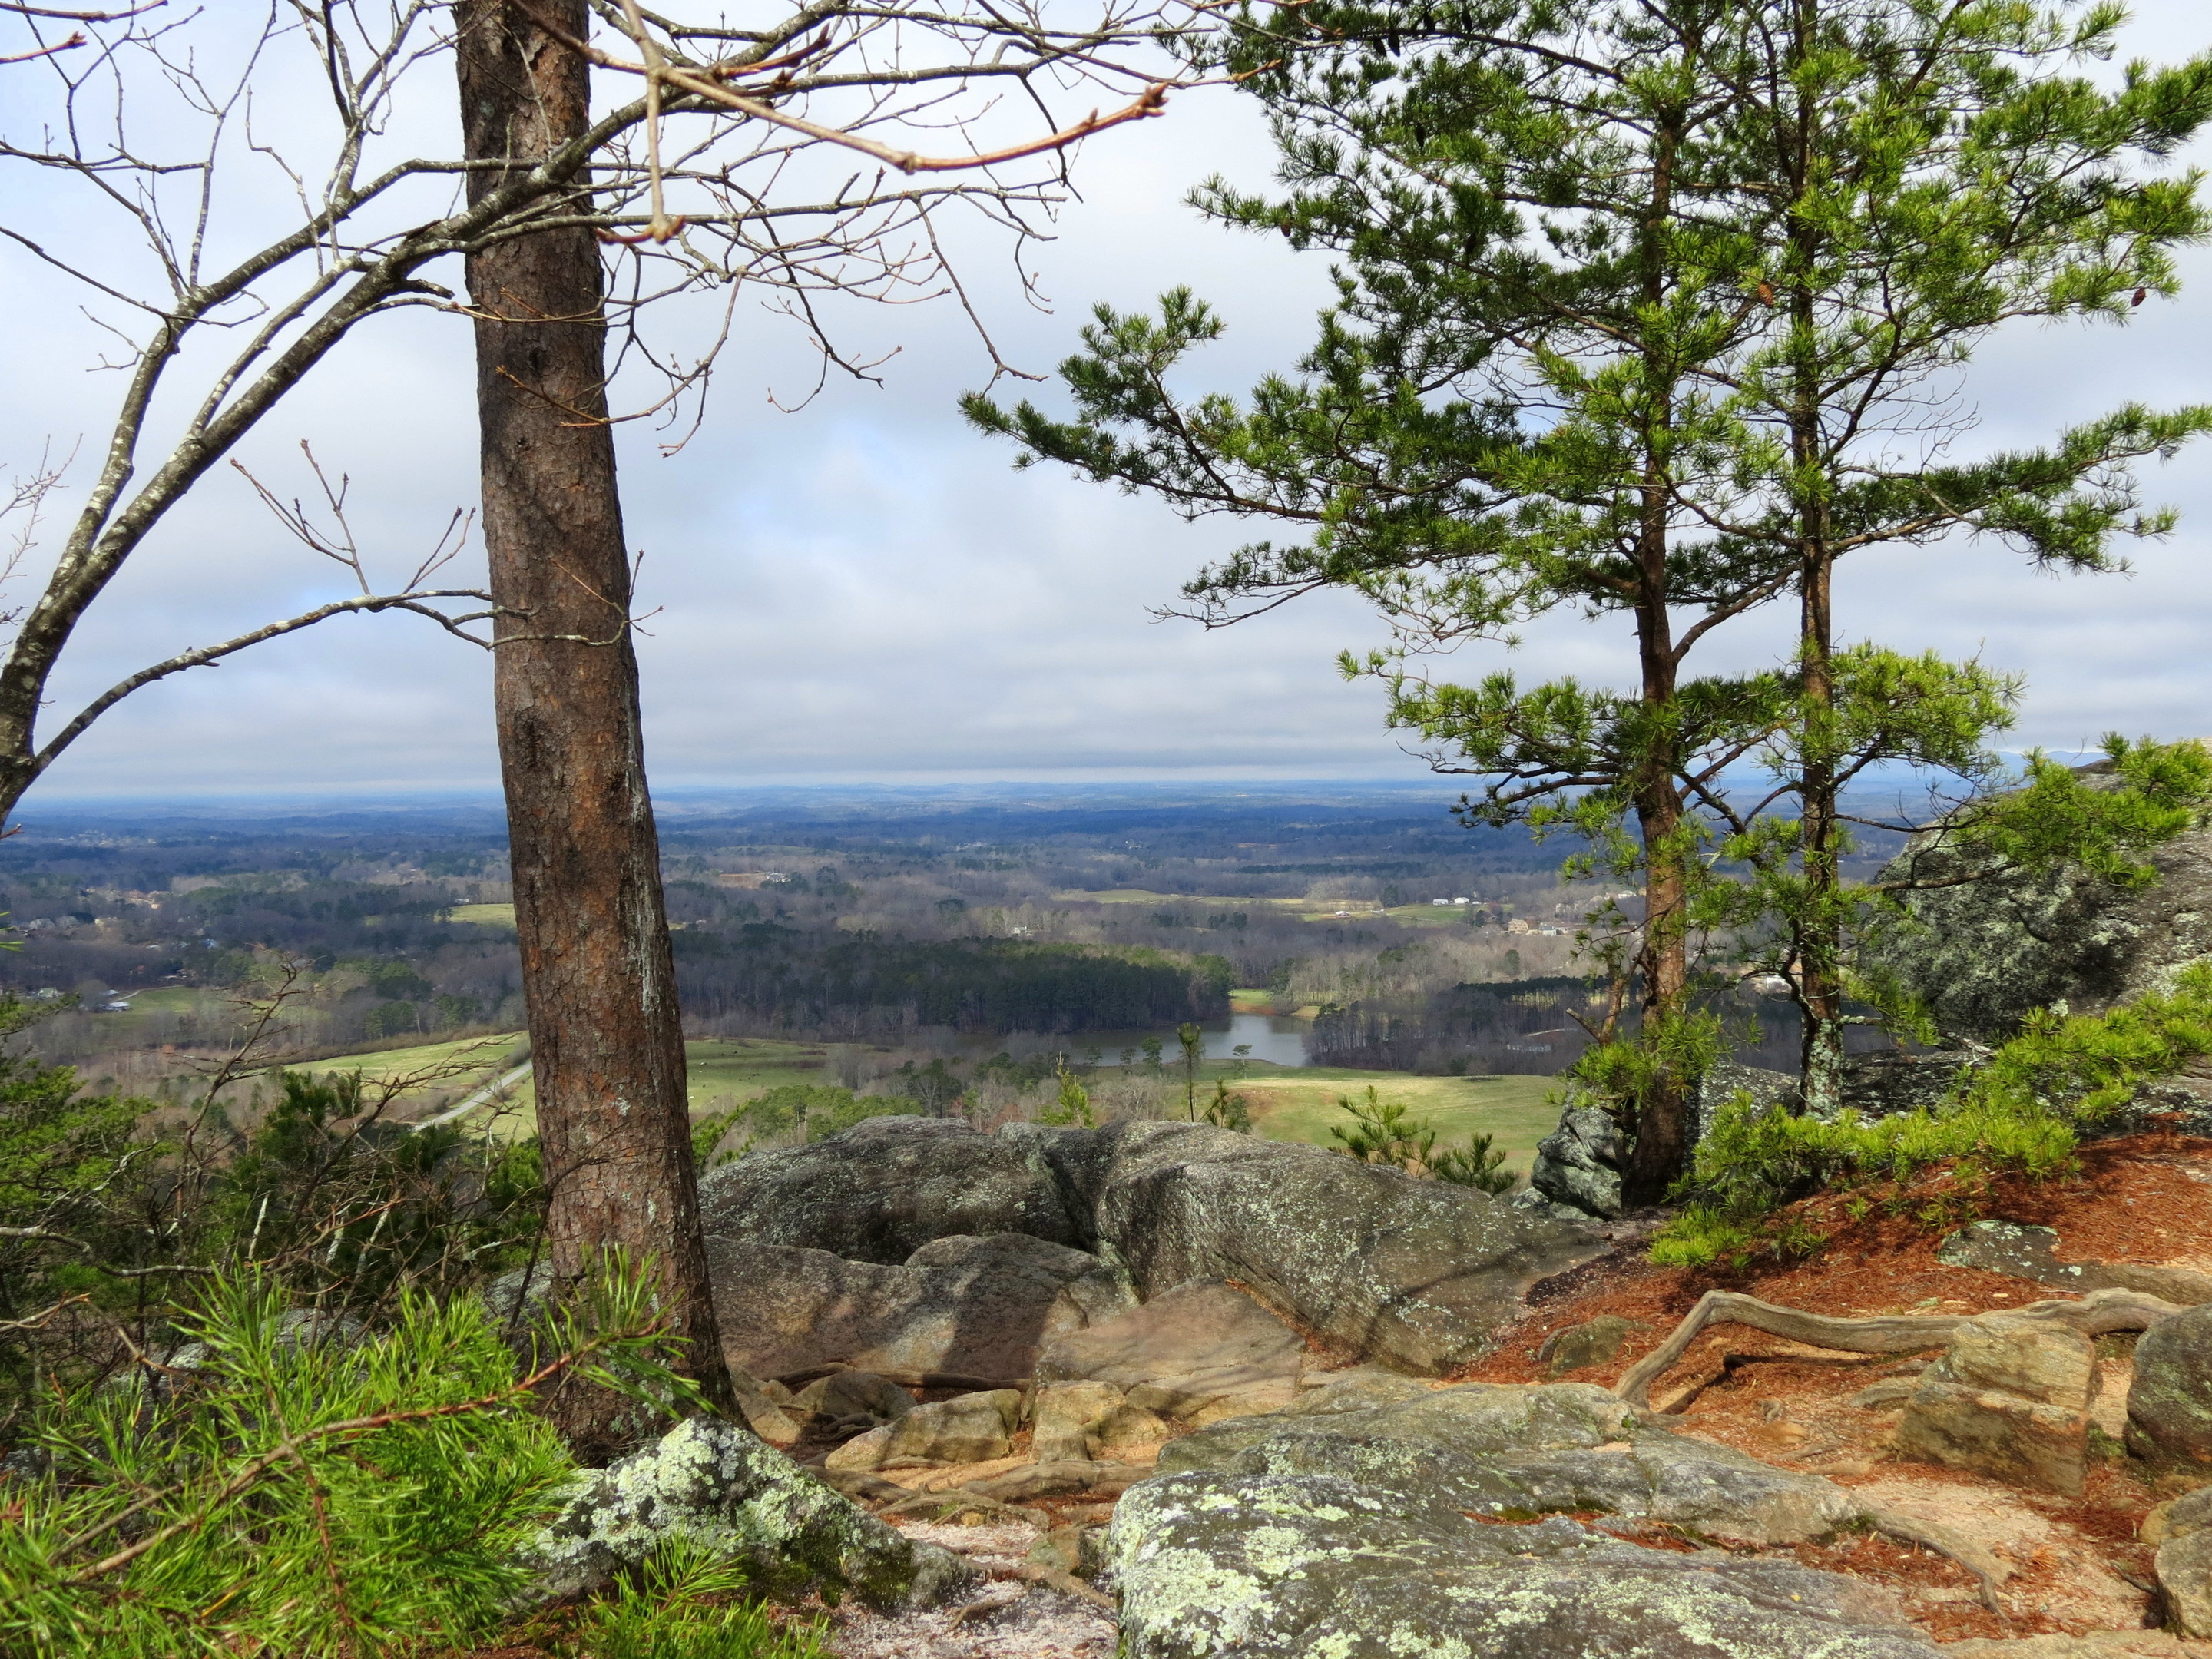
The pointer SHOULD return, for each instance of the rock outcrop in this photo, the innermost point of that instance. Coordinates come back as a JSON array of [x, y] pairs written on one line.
[[2010, 1399], [969, 1428], [715, 1484], [1272, 1566], [1411, 1273], [1985, 953], [882, 1190], [1196, 1354], [1508, 1449], [2170, 1399], [978, 1306], [1578, 1164], [2184, 1563]]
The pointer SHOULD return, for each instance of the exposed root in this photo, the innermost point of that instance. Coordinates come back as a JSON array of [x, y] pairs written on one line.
[[2091, 1315], [1987, 1569], [1066, 1583]]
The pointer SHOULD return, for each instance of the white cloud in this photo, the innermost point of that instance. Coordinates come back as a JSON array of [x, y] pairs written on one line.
[[867, 589]]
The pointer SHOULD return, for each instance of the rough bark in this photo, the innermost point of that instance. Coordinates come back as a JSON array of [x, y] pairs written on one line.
[[1661, 1142], [606, 1044]]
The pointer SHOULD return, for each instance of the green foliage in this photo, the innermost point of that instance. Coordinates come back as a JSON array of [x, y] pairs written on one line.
[[1703, 1234], [682, 1606], [2161, 791], [2020, 1114], [343, 1203], [1386, 1132], [1071, 1106], [1667, 1053], [1631, 304], [304, 1496], [1478, 1165], [56, 1145], [1228, 1111], [1382, 1131]]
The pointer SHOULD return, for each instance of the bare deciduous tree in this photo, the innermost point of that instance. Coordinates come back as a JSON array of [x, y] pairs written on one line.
[[726, 164]]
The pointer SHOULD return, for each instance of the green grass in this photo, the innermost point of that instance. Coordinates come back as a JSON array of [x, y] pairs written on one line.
[[483, 916], [718, 1070], [747, 1067], [1299, 1103]]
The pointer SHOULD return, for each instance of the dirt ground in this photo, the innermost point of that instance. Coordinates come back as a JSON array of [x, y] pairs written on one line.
[[2078, 1564]]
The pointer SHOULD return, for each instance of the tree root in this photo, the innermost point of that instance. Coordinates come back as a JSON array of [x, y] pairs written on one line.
[[1987, 1569], [2091, 1315], [1066, 1583]]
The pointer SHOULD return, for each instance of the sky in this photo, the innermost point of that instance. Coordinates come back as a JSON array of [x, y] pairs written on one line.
[[864, 589]]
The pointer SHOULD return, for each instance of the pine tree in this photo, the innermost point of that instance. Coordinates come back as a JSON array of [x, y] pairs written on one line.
[[1602, 343]]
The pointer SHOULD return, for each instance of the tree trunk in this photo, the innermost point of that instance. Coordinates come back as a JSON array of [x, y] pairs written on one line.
[[607, 1045], [1661, 1146], [1817, 930]]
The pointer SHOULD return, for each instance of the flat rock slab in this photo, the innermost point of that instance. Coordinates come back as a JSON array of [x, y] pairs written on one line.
[[2023, 1251], [1271, 1567], [1202, 1327], [1506, 1449], [980, 1307]]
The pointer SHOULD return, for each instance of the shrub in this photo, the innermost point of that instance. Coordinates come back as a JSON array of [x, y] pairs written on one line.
[[2021, 1114], [275, 1493], [1387, 1132], [671, 1613]]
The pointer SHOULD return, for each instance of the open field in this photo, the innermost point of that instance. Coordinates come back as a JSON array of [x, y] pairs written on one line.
[[1299, 1103], [721, 1072], [483, 916], [1287, 1103]]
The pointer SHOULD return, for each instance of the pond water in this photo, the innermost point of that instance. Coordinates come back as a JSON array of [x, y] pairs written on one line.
[[1279, 1042]]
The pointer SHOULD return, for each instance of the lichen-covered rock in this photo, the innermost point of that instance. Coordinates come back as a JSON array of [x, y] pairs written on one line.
[[1411, 1273], [2030, 1252], [1578, 1164], [2184, 1563], [1725, 1079], [882, 1190], [2010, 1399], [1986, 953], [2170, 1399], [1266, 1567], [1499, 1449], [1408, 1273], [716, 1486], [1590, 1343], [1888, 1082], [976, 1306]]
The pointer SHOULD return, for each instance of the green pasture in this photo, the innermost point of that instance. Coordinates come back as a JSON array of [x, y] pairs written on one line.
[[483, 916], [1299, 1103], [719, 1070]]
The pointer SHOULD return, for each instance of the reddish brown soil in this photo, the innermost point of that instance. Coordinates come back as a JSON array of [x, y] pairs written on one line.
[[2147, 1199]]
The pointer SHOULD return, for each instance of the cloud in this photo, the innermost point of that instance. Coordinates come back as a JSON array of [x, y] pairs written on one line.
[[865, 589]]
